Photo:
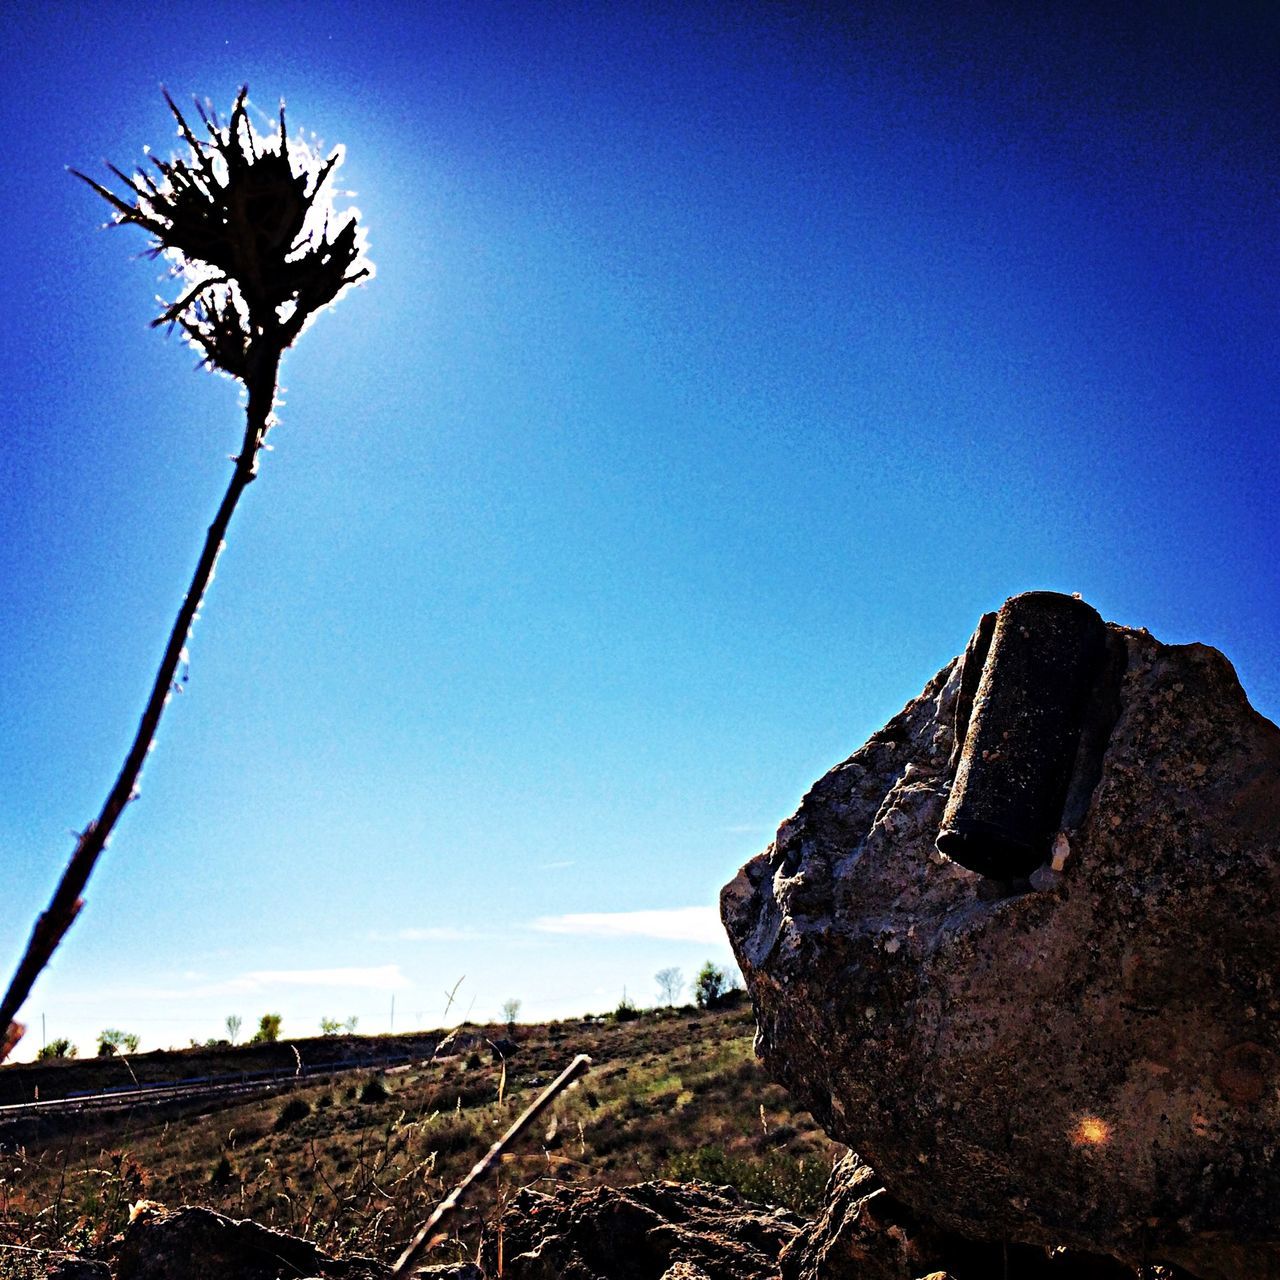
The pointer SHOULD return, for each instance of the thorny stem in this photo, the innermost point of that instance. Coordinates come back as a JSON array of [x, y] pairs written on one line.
[[430, 1234], [53, 924]]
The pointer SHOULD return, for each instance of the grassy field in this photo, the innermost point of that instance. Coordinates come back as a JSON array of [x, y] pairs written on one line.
[[355, 1163]]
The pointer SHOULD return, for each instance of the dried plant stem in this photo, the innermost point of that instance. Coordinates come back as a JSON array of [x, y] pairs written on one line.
[[430, 1232], [53, 924]]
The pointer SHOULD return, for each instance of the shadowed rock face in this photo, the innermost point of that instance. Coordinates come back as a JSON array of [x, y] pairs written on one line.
[[1090, 1058], [650, 1231], [190, 1243], [864, 1233]]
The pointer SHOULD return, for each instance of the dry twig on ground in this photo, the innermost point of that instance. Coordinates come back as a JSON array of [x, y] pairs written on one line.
[[430, 1233]]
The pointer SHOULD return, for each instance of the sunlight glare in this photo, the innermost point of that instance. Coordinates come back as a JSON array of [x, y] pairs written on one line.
[[1092, 1131]]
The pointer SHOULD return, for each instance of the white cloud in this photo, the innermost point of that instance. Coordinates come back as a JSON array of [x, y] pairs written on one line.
[[429, 933], [385, 977], [674, 924]]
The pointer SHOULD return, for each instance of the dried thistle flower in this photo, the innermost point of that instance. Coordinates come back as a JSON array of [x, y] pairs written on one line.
[[250, 230], [248, 223]]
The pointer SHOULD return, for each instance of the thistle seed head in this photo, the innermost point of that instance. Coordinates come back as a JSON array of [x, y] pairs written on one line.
[[248, 225]]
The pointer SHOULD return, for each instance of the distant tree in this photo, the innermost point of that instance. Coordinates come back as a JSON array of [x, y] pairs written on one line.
[[111, 1042], [268, 1031], [233, 1027], [331, 1026], [670, 983], [710, 984], [61, 1048], [510, 1012]]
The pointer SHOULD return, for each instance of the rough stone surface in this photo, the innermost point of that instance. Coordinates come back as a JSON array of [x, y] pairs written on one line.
[[863, 1232], [198, 1244], [684, 1271], [866, 1233], [652, 1231], [1088, 1060], [77, 1269]]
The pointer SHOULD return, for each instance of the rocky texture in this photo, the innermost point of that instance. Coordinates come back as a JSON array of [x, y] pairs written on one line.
[[865, 1233], [1089, 1059], [77, 1269], [198, 1244], [652, 1231]]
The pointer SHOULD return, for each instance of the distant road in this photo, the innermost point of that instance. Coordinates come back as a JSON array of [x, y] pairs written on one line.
[[255, 1082]]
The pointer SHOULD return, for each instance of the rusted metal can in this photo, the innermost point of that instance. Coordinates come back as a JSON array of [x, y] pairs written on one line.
[[1015, 766]]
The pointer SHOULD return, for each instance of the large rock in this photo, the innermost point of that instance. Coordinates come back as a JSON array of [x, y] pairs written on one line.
[[1089, 1058], [866, 1233], [190, 1243], [76, 1268], [651, 1231]]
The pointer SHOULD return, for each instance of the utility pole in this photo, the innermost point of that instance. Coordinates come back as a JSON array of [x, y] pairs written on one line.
[[393, 1013]]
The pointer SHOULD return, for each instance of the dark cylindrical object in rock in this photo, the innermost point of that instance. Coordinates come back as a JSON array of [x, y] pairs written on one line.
[[1012, 778]]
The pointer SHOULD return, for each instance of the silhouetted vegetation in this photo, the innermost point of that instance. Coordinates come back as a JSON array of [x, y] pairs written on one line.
[[710, 984], [268, 1031], [258, 249]]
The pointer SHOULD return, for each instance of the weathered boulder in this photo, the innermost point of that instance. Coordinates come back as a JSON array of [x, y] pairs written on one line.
[[651, 1231], [189, 1243], [866, 1233], [77, 1268], [863, 1233], [684, 1271], [1089, 1057]]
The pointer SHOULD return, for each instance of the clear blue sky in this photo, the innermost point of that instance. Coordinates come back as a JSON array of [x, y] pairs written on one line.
[[724, 363]]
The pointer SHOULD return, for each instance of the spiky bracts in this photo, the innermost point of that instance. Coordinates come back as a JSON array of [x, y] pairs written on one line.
[[248, 222]]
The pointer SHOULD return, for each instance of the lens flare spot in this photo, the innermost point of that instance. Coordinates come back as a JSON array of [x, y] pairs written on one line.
[[1091, 1131]]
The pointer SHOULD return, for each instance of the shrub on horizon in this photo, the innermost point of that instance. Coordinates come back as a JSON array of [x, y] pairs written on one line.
[[710, 984], [112, 1041], [626, 1011], [268, 1031]]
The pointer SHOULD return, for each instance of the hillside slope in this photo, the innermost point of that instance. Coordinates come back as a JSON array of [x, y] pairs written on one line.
[[356, 1161]]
